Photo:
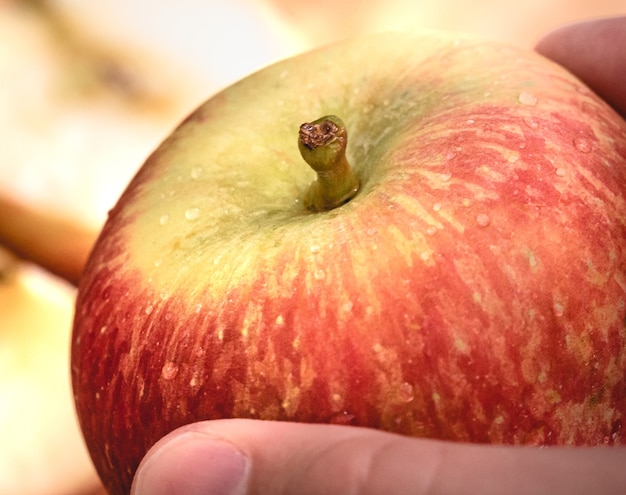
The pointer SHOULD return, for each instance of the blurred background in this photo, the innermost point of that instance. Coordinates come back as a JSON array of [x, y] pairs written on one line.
[[88, 90]]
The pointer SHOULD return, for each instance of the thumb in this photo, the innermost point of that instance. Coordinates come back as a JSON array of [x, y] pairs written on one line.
[[249, 457], [594, 51], [239, 457]]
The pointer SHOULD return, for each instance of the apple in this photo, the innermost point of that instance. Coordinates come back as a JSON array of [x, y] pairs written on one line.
[[452, 264]]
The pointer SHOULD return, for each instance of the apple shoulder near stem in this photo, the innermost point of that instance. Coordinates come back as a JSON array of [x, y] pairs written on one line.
[[466, 281]]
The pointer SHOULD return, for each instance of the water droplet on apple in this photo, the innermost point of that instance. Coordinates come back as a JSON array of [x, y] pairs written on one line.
[[169, 370], [406, 393], [149, 309], [559, 310], [526, 98], [437, 207], [583, 145], [342, 418], [192, 213], [319, 274], [483, 219], [583, 90], [164, 219], [280, 320], [164, 295], [196, 173], [530, 122], [513, 159]]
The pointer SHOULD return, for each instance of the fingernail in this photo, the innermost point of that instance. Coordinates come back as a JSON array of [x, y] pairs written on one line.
[[193, 463]]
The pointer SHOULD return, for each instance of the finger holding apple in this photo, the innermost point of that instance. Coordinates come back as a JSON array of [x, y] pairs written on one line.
[[473, 287], [593, 50]]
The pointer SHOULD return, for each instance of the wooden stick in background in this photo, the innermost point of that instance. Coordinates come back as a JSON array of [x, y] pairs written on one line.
[[56, 244]]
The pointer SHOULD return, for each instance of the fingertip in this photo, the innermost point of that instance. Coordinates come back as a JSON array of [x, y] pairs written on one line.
[[192, 462]]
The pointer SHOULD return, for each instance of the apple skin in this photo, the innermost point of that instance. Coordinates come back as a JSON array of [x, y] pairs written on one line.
[[473, 290]]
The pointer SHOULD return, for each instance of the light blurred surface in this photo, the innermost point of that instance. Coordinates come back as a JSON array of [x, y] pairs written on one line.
[[41, 450], [511, 21], [89, 89]]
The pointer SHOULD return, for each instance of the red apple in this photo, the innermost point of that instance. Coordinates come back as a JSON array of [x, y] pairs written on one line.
[[473, 289]]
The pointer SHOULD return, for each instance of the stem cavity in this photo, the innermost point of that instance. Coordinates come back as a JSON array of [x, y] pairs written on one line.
[[322, 144]]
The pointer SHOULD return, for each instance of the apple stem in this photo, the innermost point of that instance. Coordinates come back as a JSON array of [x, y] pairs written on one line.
[[322, 144]]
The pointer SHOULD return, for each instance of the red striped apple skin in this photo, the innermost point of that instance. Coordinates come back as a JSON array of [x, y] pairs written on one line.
[[474, 289]]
